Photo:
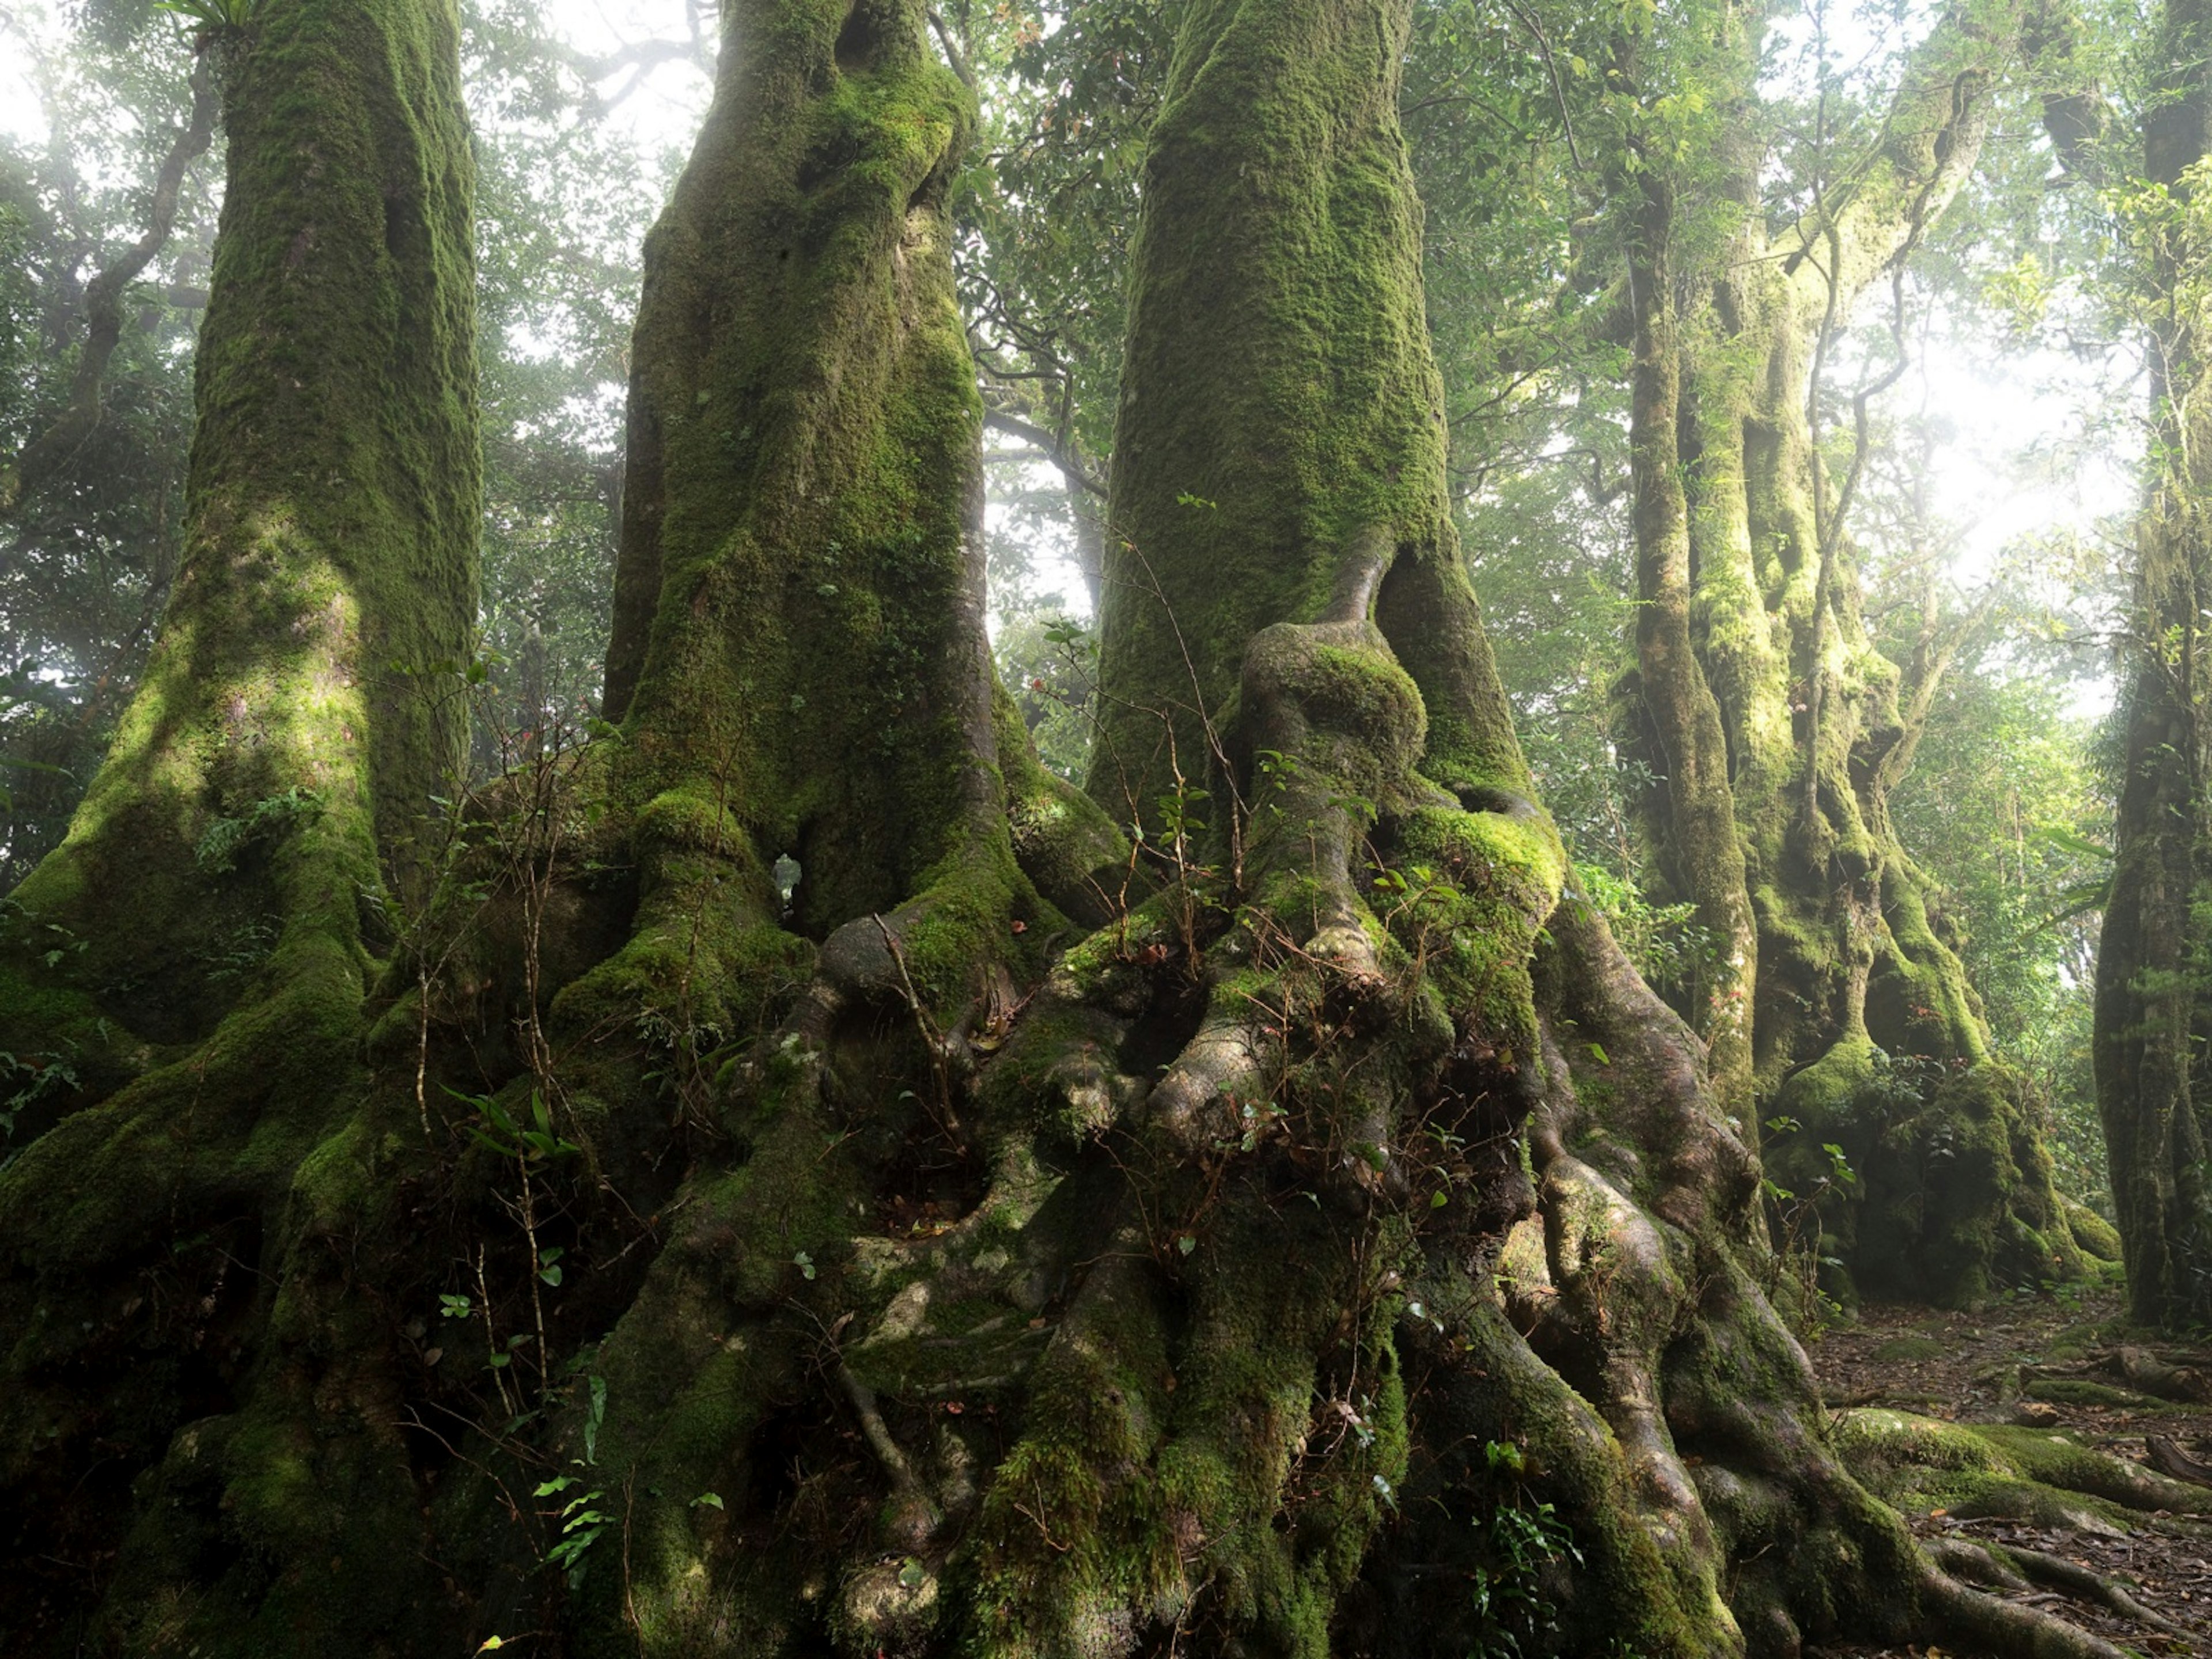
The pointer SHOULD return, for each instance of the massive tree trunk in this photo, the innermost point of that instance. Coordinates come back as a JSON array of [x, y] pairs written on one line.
[[761, 1219], [2151, 1004], [1832, 1006], [181, 982]]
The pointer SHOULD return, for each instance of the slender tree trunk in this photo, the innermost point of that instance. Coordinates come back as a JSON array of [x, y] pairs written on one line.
[[2150, 1010], [1831, 1003], [53, 449]]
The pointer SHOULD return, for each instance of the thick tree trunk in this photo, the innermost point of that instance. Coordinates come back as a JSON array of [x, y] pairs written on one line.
[[1831, 1003], [194, 958], [2151, 1005]]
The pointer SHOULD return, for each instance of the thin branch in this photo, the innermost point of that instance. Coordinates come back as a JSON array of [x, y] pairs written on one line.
[[1058, 453], [1559, 91], [952, 53]]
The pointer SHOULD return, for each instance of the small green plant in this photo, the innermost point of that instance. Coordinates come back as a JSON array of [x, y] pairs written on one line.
[[532, 1146], [498, 1130], [63, 944], [215, 16], [26, 1083], [581, 1519], [217, 850], [1520, 1539], [581, 1522]]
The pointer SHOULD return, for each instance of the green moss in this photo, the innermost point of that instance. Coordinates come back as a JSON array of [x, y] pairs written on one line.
[[1986, 1469], [1943, 1193], [1074, 1534], [2092, 1235], [1280, 422], [797, 579], [1074, 854], [1909, 1350]]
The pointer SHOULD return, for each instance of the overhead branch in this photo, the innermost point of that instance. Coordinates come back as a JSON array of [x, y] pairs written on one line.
[[953, 55], [53, 449], [1931, 141], [1551, 70], [640, 59], [1053, 447]]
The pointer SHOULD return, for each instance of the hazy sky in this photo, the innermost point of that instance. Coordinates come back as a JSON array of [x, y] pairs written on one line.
[[2015, 463]]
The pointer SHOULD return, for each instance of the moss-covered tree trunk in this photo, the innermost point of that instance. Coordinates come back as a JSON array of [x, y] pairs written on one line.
[[1832, 1002], [181, 982], [1211, 1300], [2150, 1010], [808, 1188]]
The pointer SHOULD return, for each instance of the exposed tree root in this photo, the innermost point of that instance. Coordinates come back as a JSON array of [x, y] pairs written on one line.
[[2144, 1370], [2168, 1459], [2006, 1628], [2012, 1566]]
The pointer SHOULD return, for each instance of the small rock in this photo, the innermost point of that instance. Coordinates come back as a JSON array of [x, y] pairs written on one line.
[[2035, 1414]]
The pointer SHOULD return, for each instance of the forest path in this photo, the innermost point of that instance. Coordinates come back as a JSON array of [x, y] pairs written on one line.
[[2046, 1363]]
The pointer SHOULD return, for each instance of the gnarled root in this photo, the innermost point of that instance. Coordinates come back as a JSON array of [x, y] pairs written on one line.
[[2010, 1566]]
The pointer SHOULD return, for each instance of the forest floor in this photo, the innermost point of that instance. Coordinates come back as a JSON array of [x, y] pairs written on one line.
[[1967, 1368]]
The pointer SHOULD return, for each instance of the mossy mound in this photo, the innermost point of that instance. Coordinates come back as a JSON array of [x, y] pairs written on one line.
[[2096, 1237], [1910, 1350], [2043, 1477], [1930, 1182]]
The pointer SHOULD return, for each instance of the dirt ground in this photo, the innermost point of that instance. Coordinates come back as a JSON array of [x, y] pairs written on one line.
[[1984, 1367]]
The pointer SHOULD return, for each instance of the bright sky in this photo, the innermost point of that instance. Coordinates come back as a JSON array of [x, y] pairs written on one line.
[[667, 108]]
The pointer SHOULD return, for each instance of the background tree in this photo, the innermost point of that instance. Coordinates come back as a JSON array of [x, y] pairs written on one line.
[[2149, 1022], [107, 226], [1773, 728]]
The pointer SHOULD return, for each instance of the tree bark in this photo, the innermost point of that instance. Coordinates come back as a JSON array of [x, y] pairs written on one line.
[[1831, 1003], [187, 969], [2150, 1008]]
